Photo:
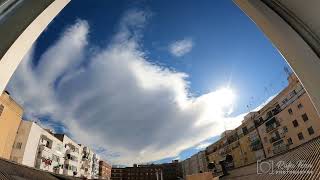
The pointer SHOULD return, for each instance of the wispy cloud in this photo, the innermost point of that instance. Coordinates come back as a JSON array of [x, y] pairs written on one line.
[[181, 47], [115, 100]]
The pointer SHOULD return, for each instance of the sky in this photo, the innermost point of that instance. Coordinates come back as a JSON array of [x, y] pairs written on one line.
[[147, 81]]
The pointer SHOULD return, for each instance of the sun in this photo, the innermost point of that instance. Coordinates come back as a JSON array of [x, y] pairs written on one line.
[[225, 97]]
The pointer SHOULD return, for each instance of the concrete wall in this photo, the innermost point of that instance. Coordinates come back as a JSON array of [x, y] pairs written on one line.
[[28, 135], [10, 119]]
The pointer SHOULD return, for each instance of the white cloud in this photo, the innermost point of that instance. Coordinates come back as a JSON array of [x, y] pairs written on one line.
[[203, 145], [115, 100], [181, 47]]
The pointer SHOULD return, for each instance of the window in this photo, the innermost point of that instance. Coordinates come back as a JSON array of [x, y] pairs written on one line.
[[285, 101], [310, 130], [1, 109], [245, 130], [290, 111], [295, 123], [305, 117], [18, 145], [300, 106], [300, 136], [285, 129], [289, 141], [292, 93]]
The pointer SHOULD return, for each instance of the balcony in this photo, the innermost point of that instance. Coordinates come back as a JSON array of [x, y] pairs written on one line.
[[44, 152], [280, 149], [256, 145], [274, 139], [72, 152], [71, 162], [272, 126]]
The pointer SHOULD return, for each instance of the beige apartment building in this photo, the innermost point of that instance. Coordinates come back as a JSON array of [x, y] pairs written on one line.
[[10, 118], [242, 145], [195, 164], [289, 120]]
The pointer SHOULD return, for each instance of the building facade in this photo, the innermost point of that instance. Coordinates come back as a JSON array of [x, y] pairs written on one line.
[[95, 166], [10, 118], [37, 147], [32, 17], [86, 162], [289, 120], [104, 170], [195, 164], [165, 171], [42, 149], [72, 156], [117, 173]]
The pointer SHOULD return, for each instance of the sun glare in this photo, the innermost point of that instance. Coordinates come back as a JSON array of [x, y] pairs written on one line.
[[225, 97]]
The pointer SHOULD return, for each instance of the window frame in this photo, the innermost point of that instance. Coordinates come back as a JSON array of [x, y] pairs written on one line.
[[310, 128], [300, 133], [293, 123], [305, 117]]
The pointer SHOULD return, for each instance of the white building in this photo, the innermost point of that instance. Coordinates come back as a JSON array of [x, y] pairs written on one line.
[[86, 162], [95, 166], [37, 147], [72, 163]]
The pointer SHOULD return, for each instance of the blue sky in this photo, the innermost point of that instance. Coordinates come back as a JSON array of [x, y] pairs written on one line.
[[193, 49]]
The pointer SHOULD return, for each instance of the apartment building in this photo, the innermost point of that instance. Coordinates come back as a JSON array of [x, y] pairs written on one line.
[[249, 139], [117, 173], [289, 120], [86, 162], [95, 166], [195, 164], [10, 118], [37, 147], [104, 170], [72, 155], [237, 147], [165, 171], [185, 165], [202, 161]]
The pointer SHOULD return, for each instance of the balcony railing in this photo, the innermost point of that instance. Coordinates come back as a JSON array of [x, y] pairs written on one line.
[[273, 126], [274, 139], [256, 145], [280, 149], [278, 109]]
